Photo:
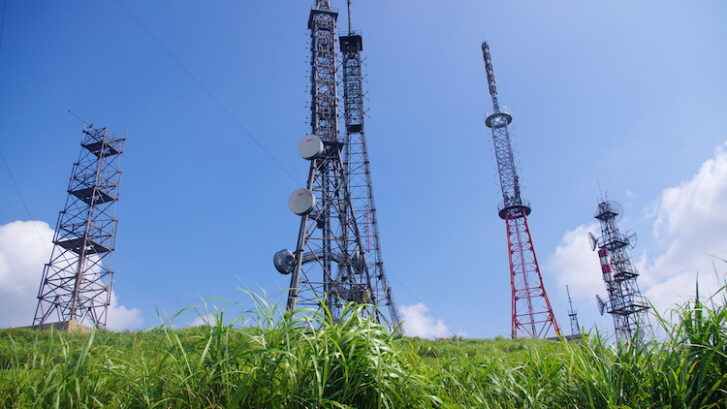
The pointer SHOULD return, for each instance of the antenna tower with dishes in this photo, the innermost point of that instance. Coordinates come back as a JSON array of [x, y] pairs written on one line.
[[532, 314], [76, 282], [337, 259], [625, 303]]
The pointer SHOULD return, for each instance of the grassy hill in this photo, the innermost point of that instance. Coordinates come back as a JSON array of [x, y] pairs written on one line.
[[308, 361]]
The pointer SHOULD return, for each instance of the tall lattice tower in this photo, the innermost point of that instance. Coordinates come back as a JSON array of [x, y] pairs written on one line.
[[532, 314], [625, 303], [76, 283], [331, 261], [356, 161]]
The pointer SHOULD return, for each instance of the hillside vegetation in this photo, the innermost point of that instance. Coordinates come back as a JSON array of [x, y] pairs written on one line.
[[308, 361]]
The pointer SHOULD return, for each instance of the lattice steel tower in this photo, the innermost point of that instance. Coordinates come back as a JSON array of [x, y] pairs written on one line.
[[331, 261], [575, 328], [356, 161], [625, 303], [532, 314], [76, 283]]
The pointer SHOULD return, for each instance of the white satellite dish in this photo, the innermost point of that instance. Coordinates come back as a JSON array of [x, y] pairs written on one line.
[[310, 147], [592, 239], [601, 304], [301, 201]]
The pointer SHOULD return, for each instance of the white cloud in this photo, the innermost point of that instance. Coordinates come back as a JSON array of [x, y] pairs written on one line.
[[24, 249], [690, 225], [121, 318], [418, 322], [576, 265], [204, 319]]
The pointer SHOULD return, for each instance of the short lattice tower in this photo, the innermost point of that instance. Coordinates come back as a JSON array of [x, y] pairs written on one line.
[[625, 303], [76, 282]]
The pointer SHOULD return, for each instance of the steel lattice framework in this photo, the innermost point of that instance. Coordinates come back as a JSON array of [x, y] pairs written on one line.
[[356, 161], [76, 282], [625, 303], [575, 328], [532, 314], [330, 259]]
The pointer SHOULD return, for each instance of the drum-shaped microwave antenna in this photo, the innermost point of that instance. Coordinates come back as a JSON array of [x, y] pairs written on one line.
[[617, 208], [310, 147], [284, 261], [301, 201]]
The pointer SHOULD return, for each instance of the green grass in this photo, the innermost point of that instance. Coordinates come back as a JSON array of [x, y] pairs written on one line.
[[308, 361]]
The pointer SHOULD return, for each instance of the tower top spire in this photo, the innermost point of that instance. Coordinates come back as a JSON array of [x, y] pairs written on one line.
[[490, 75], [350, 25], [570, 302]]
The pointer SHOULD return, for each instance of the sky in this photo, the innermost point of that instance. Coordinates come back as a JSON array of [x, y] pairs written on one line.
[[620, 97]]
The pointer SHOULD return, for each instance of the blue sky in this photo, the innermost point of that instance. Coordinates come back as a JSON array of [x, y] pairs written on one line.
[[631, 95]]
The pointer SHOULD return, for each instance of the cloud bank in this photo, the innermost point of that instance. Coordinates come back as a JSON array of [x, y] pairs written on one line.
[[576, 265], [690, 226], [25, 247]]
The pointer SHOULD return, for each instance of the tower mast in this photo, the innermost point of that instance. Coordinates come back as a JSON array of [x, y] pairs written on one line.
[[356, 161], [76, 282], [532, 314], [330, 262], [575, 328]]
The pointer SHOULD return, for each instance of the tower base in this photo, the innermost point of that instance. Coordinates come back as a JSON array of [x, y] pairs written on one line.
[[63, 326]]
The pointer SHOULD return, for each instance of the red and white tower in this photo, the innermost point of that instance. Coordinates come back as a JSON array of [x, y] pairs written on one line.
[[532, 315]]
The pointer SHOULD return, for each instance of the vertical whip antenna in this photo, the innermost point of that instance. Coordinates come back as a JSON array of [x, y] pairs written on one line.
[[490, 75], [350, 25]]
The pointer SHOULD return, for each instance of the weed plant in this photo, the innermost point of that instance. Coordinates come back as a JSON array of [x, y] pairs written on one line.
[[306, 360]]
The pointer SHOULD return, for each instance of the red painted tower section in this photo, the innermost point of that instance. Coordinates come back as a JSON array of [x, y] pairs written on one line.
[[532, 314]]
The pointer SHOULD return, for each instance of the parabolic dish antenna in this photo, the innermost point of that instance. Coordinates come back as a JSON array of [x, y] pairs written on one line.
[[310, 147], [284, 261], [601, 304], [592, 239], [301, 201]]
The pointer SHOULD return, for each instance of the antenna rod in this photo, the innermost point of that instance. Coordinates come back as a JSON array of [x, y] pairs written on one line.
[[86, 124], [490, 75], [350, 30], [567, 290]]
